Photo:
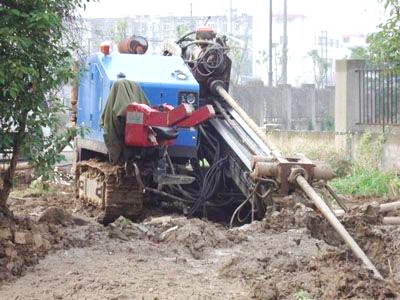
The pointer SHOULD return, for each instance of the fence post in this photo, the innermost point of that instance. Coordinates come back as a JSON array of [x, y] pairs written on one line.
[[286, 93], [347, 104]]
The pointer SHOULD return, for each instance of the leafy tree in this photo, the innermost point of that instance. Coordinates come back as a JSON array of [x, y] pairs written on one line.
[[119, 31], [180, 30], [35, 48], [239, 54], [320, 66], [384, 45], [263, 59], [359, 52]]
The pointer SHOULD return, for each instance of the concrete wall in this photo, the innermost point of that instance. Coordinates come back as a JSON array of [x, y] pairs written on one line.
[[391, 153], [305, 108], [308, 108], [323, 144], [347, 107]]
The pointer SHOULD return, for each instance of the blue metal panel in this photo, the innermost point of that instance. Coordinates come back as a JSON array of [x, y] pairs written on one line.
[[162, 78], [92, 97]]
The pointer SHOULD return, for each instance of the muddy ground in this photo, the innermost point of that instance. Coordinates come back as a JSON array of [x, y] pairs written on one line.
[[56, 250]]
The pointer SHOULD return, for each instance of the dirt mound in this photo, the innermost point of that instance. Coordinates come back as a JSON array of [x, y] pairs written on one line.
[[24, 241], [278, 257], [322, 283], [55, 215], [124, 229], [276, 264], [196, 235], [291, 264], [22, 245], [41, 224], [364, 223], [287, 218]]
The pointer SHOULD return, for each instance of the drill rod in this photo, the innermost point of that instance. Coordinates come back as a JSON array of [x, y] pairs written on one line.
[[249, 121], [330, 216], [302, 182]]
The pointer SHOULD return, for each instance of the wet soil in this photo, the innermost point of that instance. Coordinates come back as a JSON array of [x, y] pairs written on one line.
[[55, 249]]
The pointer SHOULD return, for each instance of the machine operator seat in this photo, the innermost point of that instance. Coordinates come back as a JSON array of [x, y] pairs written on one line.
[[165, 133]]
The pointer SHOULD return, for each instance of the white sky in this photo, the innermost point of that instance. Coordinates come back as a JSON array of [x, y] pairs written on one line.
[[341, 16], [337, 17]]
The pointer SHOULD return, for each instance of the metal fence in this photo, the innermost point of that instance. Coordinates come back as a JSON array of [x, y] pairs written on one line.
[[379, 97]]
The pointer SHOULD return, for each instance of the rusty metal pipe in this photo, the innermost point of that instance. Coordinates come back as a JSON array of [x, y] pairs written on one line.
[[330, 216], [323, 172], [385, 220], [384, 207], [391, 220], [265, 169]]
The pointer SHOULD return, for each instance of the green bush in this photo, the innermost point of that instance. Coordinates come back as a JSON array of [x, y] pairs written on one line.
[[367, 182], [365, 177]]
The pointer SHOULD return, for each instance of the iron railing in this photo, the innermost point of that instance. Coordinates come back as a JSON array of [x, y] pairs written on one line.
[[379, 97]]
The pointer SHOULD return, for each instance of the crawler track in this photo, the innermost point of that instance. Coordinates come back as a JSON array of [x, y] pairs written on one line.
[[107, 187]]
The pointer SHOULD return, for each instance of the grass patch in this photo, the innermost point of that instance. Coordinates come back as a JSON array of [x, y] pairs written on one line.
[[302, 295], [365, 177], [318, 148], [361, 176], [313, 147], [367, 182], [36, 188]]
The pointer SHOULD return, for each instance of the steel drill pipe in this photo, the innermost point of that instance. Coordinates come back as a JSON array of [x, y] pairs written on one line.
[[330, 216], [225, 95], [304, 185]]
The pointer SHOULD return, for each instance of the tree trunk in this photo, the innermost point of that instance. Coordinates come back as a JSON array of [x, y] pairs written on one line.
[[8, 175]]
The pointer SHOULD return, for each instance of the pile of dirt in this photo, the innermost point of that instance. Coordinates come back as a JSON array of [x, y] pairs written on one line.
[[194, 235], [380, 242], [291, 264], [293, 253], [43, 222], [124, 229], [197, 236], [24, 240]]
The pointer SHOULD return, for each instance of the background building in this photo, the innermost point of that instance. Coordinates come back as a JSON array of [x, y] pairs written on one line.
[[312, 50], [158, 29]]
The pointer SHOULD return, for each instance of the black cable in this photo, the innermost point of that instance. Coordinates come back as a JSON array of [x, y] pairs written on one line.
[[210, 184], [206, 67]]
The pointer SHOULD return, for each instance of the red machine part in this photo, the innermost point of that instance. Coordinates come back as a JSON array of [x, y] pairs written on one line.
[[142, 120]]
